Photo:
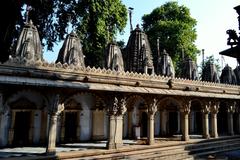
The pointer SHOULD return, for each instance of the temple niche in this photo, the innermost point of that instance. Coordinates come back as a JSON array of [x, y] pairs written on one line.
[[71, 51], [114, 59], [189, 69], [138, 53], [210, 73], [228, 76], [29, 47], [165, 65]]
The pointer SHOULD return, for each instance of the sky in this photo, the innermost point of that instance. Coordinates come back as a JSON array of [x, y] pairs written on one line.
[[213, 17]]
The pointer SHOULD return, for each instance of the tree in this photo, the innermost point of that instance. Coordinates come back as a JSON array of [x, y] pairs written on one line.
[[100, 21], [175, 28], [97, 22]]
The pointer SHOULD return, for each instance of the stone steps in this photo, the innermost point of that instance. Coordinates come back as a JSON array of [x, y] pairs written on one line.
[[179, 151]]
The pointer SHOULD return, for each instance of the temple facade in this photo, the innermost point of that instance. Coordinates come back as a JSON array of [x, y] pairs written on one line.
[[45, 104]]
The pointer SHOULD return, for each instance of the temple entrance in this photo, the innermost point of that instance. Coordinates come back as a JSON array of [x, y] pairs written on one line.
[[21, 128], [144, 124], [70, 126], [173, 123]]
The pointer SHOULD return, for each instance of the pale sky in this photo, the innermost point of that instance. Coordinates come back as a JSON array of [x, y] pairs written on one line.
[[213, 17]]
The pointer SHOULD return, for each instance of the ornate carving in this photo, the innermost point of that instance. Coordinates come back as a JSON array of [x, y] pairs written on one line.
[[165, 65], [206, 107], [209, 73], [152, 106], [233, 38], [117, 106], [228, 76], [189, 69], [231, 106], [186, 105], [55, 107], [114, 58], [214, 107]]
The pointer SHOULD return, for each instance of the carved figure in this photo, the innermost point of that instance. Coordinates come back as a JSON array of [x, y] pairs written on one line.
[[233, 38]]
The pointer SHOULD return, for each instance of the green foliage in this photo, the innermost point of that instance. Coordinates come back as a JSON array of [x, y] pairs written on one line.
[[175, 28], [100, 21], [211, 60], [96, 21]]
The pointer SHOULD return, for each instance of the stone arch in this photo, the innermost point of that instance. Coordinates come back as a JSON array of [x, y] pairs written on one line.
[[133, 99], [196, 116], [168, 108], [27, 97], [24, 109]]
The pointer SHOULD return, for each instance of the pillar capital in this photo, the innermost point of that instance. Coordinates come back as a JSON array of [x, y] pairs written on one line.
[[152, 106], [206, 108], [117, 105], [214, 107], [231, 106], [186, 105], [55, 107]]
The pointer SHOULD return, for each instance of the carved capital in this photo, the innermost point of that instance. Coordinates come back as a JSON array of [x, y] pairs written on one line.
[[55, 107], [117, 106], [231, 107], [152, 106], [206, 107], [214, 107], [186, 104]]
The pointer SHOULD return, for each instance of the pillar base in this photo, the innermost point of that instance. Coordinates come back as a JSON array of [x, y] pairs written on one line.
[[114, 145], [214, 136], [51, 151], [185, 138], [151, 142], [207, 136]]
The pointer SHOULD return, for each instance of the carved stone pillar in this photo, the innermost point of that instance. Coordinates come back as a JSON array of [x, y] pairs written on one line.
[[152, 109], [62, 136], [231, 110], [11, 129], [205, 112], [55, 109], [214, 110], [185, 110], [116, 109]]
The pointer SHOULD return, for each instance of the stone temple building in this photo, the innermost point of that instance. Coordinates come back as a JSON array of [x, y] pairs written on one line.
[[45, 104]]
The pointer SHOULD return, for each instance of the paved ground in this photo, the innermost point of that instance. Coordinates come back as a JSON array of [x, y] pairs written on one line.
[[16, 153]]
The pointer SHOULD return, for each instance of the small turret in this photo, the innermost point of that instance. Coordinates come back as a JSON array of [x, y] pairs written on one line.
[[209, 73], [29, 46], [228, 76], [189, 69], [138, 53], [114, 59], [71, 51], [165, 65]]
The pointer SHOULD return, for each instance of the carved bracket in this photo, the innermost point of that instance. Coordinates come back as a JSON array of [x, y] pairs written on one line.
[[231, 106], [152, 106], [214, 107], [55, 107], [117, 106]]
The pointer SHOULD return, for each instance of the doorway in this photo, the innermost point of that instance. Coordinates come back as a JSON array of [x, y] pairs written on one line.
[[144, 124], [21, 128], [70, 126], [173, 123]]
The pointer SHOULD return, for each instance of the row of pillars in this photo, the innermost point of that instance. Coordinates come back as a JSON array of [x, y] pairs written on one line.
[[116, 109]]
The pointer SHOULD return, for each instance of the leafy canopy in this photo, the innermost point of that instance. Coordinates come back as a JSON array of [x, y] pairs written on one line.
[[96, 21], [175, 28]]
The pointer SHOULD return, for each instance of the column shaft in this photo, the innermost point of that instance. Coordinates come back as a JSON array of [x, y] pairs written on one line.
[[214, 132], [112, 130], [185, 130], [230, 123], [151, 129], [52, 134], [205, 125]]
